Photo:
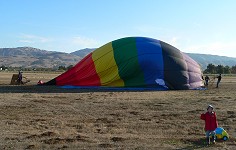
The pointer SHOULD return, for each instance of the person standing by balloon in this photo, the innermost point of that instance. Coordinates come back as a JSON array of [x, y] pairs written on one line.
[[206, 80], [20, 77], [218, 80]]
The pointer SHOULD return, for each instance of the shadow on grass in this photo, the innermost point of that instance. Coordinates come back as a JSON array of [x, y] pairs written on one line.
[[194, 143], [58, 89], [201, 143]]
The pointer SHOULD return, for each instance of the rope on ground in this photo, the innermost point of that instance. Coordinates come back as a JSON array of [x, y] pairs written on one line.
[[212, 80]]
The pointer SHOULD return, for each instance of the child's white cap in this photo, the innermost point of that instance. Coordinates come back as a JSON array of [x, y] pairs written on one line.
[[210, 106]]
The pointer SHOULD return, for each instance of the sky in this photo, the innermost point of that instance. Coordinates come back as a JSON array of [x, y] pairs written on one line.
[[192, 26]]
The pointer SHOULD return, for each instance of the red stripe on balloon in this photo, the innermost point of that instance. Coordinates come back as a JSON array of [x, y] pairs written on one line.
[[82, 74]]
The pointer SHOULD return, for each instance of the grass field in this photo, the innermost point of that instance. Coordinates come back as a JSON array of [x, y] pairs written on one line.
[[38, 117]]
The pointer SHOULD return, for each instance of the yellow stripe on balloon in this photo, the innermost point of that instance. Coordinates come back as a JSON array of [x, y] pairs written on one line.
[[106, 66]]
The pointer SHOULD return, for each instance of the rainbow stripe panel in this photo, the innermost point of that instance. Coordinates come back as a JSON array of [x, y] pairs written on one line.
[[134, 62]]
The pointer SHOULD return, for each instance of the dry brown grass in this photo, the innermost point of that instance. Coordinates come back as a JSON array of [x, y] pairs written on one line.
[[37, 117]]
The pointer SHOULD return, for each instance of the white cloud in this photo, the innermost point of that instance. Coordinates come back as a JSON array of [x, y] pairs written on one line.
[[215, 48], [63, 43], [25, 41], [85, 42], [28, 38], [174, 41]]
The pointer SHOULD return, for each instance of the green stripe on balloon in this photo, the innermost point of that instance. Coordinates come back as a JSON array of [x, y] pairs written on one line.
[[126, 57]]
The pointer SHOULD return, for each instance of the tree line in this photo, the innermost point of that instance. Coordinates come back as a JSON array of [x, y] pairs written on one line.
[[59, 68], [213, 69]]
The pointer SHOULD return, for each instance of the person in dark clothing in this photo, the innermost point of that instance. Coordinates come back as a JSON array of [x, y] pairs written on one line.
[[20, 77], [207, 80], [218, 80]]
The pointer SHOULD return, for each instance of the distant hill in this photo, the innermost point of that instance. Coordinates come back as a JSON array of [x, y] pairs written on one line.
[[83, 52], [205, 59], [30, 57]]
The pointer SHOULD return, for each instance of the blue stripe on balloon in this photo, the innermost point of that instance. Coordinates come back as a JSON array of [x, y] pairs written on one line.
[[150, 59]]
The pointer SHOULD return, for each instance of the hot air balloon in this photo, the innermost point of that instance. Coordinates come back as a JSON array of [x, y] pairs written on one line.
[[134, 62]]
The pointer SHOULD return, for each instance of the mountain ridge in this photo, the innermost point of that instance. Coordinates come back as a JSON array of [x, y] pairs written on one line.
[[33, 57], [29, 57]]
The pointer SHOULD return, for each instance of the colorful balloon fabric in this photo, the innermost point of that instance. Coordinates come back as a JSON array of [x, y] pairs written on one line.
[[134, 62]]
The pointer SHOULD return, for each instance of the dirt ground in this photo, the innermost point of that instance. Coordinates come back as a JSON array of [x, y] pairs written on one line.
[[48, 117]]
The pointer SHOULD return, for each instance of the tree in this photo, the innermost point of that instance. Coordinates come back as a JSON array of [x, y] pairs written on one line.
[[69, 67], [4, 67], [227, 70], [61, 68], [220, 69], [210, 69], [233, 69]]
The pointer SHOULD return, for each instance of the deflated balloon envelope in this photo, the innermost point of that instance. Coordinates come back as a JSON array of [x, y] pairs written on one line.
[[134, 62]]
